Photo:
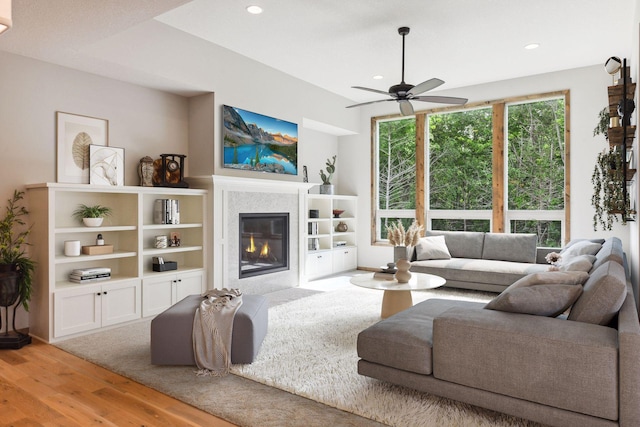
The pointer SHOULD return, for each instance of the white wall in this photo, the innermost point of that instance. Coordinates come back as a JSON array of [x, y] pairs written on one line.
[[588, 95]]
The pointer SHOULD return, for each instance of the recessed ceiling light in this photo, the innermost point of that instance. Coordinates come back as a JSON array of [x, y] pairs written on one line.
[[532, 46], [378, 77], [256, 10]]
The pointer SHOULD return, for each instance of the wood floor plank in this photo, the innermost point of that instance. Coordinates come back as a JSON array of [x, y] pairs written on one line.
[[41, 385]]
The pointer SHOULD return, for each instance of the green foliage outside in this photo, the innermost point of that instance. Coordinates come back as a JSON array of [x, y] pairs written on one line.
[[460, 165], [397, 164], [460, 160]]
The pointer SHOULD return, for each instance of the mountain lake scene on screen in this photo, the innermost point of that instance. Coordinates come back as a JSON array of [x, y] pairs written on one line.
[[254, 142]]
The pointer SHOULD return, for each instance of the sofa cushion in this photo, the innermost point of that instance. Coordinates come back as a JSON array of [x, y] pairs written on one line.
[[584, 247], [579, 263], [541, 294], [461, 244], [611, 251], [489, 271], [404, 340], [603, 295], [567, 365], [432, 247], [510, 247]]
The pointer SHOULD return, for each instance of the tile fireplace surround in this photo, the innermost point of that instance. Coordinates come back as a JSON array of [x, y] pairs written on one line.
[[231, 196]]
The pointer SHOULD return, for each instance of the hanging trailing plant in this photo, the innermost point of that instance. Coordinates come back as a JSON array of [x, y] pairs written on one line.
[[608, 198], [603, 123]]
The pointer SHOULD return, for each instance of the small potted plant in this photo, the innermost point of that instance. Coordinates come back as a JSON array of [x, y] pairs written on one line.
[[91, 216], [327, 187]]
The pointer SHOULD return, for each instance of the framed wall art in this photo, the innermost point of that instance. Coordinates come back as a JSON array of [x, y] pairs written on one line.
[[75, 133], [259, 143], [106, 165]]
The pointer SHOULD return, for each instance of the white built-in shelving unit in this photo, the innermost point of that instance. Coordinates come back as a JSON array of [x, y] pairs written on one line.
[[60, 308], [329, 251]]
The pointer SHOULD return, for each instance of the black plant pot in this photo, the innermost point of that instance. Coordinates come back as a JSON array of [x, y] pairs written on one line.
[[10, 295], [9, 285]]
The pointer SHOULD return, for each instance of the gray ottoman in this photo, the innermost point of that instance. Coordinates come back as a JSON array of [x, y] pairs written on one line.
[[171, 331]]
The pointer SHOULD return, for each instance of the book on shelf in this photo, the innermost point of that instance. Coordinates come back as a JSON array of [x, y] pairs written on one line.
[[91, 271], [83, 280], [312, 228], [314, 244], [88, 276], [166, 211]]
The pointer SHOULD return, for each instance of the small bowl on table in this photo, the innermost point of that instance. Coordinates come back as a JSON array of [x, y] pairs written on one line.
[[337, 213]]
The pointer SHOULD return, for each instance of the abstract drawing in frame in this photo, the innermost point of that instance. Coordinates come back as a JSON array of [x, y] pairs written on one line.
[[74, 135], [255, 142], [106, 165]]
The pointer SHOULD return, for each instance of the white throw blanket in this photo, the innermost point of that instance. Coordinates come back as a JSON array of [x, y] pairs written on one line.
[[212, 330]]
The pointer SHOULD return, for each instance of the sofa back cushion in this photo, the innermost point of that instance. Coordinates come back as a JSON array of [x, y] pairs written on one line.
[[461, 244], [602, 296], [510, 247], [611, 251]]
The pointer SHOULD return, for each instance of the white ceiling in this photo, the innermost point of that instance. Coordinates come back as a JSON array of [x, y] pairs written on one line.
[[336, 44]]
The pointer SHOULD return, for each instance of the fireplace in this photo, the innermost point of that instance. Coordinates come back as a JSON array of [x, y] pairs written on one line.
[[264, 243]]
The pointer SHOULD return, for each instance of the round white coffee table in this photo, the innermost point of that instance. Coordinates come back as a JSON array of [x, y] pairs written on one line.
[[397, 296]]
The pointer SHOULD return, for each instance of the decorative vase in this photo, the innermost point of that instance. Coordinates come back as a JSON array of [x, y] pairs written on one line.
[[342, 227], [400, 252], [403, 275], [326, 189], [92, 222]]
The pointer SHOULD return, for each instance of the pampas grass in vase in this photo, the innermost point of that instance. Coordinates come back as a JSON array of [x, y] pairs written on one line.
[[402, 239]]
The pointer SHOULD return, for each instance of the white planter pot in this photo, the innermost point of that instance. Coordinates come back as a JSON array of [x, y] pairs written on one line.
[[92, 222]]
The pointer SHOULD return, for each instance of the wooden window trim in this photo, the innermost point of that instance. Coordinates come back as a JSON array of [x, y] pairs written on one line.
[[498, 107]]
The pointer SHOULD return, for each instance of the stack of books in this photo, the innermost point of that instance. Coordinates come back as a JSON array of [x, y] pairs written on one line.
[[166, 211], [92, 274]]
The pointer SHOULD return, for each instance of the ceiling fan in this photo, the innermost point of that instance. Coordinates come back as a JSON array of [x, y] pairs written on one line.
[[404, 92]]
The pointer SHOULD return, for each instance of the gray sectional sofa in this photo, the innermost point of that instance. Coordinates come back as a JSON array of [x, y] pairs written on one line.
[[576, 369], [482, 261]]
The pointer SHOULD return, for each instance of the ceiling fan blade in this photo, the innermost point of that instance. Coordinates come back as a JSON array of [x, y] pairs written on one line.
[[371, 90], [425, 86], [405, 107], [370, 102], [441, 99]]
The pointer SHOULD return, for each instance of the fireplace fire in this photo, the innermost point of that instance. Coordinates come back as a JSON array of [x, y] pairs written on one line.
[[264, 243]]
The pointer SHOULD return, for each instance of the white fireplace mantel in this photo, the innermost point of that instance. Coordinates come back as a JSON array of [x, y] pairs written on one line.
[[224, 190]]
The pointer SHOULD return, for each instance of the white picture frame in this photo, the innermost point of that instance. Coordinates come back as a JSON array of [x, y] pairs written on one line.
[[74, 135], [106, 165]]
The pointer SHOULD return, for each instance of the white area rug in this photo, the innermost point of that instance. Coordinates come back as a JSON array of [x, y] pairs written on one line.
[[310, 350]]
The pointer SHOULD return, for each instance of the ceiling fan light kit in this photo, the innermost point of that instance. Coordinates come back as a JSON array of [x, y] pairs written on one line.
[[403, 92]]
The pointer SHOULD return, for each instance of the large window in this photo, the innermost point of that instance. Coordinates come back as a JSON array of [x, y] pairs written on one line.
[[498, 166]]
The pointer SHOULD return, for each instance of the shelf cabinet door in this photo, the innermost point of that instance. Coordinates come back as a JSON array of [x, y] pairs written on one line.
[[318, 264], [121, 302], [157, 294], [77, 310], [344, 259], [188, 284]]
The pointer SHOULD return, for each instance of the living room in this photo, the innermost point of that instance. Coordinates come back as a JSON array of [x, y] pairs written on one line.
[[46, 68]]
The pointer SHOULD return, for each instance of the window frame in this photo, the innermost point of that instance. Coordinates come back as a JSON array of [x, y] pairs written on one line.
[[500, 216]]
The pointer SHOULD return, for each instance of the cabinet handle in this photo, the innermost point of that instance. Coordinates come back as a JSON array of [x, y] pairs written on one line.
[[105, 292], [99, 293], [319, 256]]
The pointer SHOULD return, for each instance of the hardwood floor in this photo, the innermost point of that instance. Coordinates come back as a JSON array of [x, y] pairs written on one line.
[[41, 385]]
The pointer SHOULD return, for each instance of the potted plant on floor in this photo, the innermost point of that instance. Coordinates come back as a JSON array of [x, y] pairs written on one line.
[[92, 216], [16, 268]]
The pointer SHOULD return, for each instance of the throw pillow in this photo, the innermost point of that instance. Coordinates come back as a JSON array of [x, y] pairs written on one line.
[[433, 247], [603, 295], [584, 247], [578, 263], [547, 293]]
